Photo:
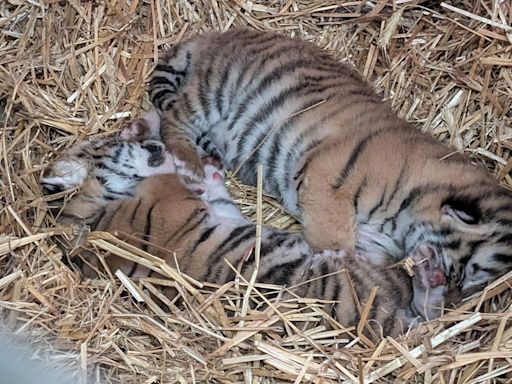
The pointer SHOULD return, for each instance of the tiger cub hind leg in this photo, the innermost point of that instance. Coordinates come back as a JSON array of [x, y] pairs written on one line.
[[328, 216]]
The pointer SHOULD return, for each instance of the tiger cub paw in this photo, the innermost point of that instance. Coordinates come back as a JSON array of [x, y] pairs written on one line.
[[134, 130], [214, 179], [213, 172], [144, 128], [429, 268], [194, 181], [188, 163], [429, 282]]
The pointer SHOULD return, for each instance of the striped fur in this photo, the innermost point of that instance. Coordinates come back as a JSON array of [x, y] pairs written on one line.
[[105, 170], [339, 159], [164, 217]]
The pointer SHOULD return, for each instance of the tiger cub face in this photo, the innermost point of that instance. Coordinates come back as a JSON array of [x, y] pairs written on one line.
[[471, 231], [104, 170]]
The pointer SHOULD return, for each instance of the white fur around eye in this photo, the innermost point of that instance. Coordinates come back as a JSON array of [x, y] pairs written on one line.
[[67, 174]]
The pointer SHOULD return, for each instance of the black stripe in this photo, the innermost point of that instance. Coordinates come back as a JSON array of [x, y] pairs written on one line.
[[133, 269], [337, 291], [377, 205], [452, 245], [241, 72], [134, 213], [504, 222], [507, 208], [358, 193], [255, 64], [416, 193], [267, 80], [95, 223], [189, 259], [194, 225], [506, 238], [235, 237], [159, 97], [163, 81], [397, 186], [204, 237], [502, 258], [220, 87], [147, 228], [324, 270], [117, 153], [355, 155], [186, 223], [266, 110], [283, 274], [220, 263], [145, 237], [170, 69], [204, 91], [276, 139]]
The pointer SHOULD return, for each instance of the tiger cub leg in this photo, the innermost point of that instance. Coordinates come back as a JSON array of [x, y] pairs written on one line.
[[180, 141], [328, 215], [217, 196]]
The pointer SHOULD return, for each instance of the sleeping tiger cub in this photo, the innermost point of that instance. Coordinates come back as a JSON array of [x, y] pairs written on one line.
[[162, 216], [339, 159]]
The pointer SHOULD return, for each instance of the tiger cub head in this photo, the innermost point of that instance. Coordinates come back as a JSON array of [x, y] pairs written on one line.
[[102, 170], [472, 232]]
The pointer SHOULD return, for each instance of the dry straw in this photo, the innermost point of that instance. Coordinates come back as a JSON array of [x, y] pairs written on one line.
[[70, 69]]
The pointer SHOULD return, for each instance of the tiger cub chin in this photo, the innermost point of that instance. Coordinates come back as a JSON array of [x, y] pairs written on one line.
[[358, 177], [163, 216]]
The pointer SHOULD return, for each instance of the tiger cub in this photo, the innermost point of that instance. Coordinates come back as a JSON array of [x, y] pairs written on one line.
[[337, 157], [161, 215]]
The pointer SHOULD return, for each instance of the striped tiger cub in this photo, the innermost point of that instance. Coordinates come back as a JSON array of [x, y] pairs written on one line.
[[357, 176], [163, 216]]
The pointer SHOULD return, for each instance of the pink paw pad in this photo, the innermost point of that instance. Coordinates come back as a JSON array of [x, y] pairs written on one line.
[[217, 176], [429, 267]]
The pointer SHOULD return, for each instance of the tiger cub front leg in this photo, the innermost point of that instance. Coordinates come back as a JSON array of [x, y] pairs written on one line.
[[179, 142], [328, 215]]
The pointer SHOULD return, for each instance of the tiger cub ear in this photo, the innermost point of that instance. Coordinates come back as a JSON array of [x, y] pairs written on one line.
[[64, 174], [462, 211]]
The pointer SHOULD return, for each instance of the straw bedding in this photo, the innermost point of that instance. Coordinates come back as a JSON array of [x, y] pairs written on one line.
[[71, 69]]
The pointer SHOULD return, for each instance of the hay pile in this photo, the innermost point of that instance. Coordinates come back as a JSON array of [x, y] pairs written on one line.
[[70, 69]]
